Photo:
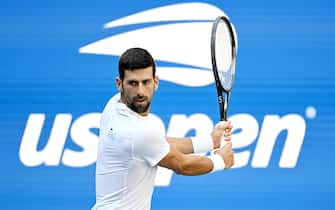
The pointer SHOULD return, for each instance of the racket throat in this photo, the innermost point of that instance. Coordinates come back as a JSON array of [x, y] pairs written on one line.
[[223, 102]]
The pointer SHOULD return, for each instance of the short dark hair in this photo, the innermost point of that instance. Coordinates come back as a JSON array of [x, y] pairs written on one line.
[[135, 58]]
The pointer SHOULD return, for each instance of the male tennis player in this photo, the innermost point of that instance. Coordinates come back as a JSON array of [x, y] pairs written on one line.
[[132, 144]]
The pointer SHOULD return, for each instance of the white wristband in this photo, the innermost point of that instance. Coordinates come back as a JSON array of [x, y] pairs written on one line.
[[202, 144], [218, 163]]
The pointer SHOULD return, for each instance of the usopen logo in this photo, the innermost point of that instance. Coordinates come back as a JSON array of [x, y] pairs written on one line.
[[178, 37]]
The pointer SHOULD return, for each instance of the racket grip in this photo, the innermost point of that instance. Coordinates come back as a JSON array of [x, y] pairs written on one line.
[[223, 141]]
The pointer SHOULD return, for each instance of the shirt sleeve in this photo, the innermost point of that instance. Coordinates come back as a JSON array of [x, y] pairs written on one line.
[[150, 142]]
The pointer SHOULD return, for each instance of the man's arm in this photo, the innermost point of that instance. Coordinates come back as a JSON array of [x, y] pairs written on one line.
[[193, 165], [186, 146], [183, 145]]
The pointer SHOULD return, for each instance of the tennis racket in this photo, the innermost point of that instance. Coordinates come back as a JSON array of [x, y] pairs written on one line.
[[223, 53]]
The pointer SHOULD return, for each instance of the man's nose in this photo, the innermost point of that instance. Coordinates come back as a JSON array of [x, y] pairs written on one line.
[[140, 89]]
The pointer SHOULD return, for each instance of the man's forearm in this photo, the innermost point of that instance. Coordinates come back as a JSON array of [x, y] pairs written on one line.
[[192, 145], [196, 165], [191, 165], [183, 145]]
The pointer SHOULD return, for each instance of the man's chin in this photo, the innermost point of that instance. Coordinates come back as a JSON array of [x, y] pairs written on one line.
[[140, 108]]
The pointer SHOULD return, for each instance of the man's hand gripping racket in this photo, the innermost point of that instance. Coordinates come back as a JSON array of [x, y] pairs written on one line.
[[223, 54]]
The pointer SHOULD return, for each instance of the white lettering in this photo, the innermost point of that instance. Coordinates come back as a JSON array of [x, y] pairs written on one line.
[[52, 152], [247, 128], [181, 124], [271, 128], [83, 137]]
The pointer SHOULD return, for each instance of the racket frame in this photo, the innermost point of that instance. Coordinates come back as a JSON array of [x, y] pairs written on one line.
[[222, 100]]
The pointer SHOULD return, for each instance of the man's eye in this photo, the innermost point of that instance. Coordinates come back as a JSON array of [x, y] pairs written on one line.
[[132, 83], [146, 82]]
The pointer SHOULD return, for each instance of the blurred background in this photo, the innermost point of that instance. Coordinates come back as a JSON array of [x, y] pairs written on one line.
[[282, 102]]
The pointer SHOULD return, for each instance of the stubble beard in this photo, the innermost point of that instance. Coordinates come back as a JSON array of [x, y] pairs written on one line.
[[131, 102]]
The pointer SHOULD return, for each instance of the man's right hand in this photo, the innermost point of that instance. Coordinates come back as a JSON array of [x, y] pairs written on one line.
[[227, 155], [220, 133]]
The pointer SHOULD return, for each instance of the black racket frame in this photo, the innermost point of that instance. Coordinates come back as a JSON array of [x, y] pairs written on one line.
[[223, 101]]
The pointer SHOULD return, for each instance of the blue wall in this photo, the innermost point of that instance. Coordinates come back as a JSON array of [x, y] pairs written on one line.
[[285, 68]]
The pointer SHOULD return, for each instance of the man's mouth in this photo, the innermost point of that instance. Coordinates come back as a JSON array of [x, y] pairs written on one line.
[[140, 100]]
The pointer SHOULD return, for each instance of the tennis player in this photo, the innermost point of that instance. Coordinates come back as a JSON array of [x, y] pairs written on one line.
[[132, 144]]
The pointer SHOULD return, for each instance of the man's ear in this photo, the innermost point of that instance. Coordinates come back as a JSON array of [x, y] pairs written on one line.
[[156, 81], [119, 84]]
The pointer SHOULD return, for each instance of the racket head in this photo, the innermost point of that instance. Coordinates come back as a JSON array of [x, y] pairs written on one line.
[[223, 53]]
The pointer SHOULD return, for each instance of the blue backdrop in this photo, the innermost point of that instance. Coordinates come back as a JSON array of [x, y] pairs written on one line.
[[51, 94]]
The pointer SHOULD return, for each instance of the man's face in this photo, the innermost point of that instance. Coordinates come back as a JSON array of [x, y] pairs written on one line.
[[137, 89]]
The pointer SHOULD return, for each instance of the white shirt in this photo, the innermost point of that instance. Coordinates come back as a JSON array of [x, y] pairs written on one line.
[[130, 147]]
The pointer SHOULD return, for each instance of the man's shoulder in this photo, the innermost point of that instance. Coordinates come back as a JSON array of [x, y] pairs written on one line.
[[112, 102]]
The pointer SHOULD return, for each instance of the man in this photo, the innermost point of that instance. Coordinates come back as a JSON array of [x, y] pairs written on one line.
[[132, 144]]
